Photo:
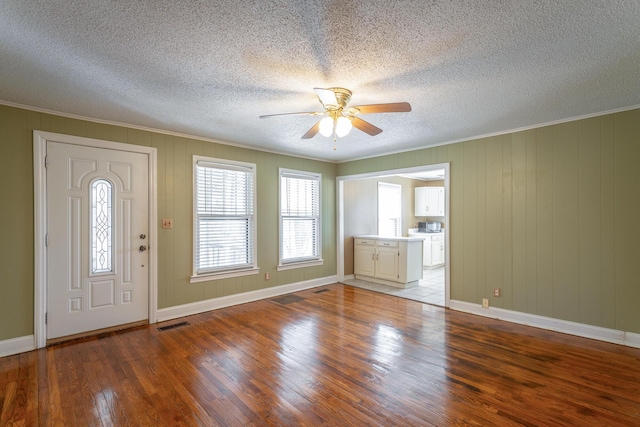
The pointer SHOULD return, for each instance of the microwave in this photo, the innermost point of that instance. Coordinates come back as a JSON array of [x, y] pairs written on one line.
[[429, 227]]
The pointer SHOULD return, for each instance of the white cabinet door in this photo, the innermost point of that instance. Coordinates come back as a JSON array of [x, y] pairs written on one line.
[[387, 263], [433, 248], [435, 197], [429, 201], [421, 201], [364, 260], [437, 253]]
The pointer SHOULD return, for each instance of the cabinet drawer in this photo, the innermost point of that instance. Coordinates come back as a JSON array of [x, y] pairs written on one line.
[[437, 238], [387, 244], [365, 242]]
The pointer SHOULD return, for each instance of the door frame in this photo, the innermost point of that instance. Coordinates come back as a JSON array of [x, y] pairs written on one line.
[[340, 180], [40, 139]]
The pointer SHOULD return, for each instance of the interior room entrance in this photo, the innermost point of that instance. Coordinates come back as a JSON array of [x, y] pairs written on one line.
[[359, 214]]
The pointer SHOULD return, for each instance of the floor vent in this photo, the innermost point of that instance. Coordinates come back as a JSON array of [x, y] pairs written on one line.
[[175, 325], [287, 299], [321, 291]]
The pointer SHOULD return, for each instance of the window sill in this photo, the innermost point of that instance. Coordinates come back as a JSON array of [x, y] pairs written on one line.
[[300, 264], [223, 275]]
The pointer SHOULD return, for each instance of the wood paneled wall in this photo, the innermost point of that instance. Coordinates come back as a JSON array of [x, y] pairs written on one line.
[[549, 215]]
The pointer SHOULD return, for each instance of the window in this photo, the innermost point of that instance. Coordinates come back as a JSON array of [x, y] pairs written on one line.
[[389, 210], [224, 219], [299, 219]]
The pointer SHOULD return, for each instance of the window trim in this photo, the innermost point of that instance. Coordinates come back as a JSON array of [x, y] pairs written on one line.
[[231, 272], [299, 262]]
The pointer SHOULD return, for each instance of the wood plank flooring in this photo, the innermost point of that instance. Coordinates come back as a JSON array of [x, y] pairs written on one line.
[[343, 357]]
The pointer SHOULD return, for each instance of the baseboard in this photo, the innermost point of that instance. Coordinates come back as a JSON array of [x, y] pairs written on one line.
[[632, 339], [17, 345], [565, 326], [349, 277], [222, 302]]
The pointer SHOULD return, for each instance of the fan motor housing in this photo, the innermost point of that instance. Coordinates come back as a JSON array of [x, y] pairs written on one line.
[[342, 95]]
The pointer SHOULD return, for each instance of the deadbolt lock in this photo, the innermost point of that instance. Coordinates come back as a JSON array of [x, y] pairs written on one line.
[[143, 236]]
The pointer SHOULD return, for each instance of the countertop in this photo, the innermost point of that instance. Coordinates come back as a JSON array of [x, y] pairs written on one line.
[[415, 230], [395, 239]]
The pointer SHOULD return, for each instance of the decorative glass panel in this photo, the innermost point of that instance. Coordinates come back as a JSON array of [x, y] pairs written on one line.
[[101, 227]]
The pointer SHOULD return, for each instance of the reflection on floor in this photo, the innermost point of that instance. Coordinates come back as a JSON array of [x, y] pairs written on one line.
[[430, 289]]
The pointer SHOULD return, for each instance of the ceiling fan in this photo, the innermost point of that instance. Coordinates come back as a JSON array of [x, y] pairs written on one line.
[[341, 119]]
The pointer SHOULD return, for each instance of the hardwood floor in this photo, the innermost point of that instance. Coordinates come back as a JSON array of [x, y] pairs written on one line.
[[340, 357]]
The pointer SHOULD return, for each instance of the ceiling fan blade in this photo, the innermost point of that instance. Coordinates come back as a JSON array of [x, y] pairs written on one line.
[[312, 113], [312, 132], [365, 127], [394, 107], [327, 97]]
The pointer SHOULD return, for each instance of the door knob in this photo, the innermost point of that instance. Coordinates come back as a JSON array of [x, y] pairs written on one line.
[[143, 236], [143, 248]]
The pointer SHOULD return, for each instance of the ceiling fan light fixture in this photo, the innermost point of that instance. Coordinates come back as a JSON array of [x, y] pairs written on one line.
[[336, 123], [343, 126], [326, 126]]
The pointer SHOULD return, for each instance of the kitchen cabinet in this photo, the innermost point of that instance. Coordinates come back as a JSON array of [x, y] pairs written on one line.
[[433, 251], [429, 201], [364, 256], [435, 254], [387, 261], [394, 261]]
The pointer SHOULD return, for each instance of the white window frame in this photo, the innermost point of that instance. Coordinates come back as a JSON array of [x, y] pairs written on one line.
[[382, 184], [231, 272], [307, 261]]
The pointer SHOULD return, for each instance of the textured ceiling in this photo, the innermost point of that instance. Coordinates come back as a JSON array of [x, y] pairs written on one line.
[[210, 68]]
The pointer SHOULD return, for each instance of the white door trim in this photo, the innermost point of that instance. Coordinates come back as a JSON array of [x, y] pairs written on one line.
[[40, 139]]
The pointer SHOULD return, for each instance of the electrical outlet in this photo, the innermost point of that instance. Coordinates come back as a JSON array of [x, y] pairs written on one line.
[[267, 276], [167, 223], [485, 302], [496, 292]]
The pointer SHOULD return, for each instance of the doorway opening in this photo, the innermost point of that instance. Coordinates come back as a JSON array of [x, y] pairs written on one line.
[[357, 204]]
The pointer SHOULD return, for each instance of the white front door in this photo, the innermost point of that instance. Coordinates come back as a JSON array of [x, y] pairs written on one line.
[[97, 227]]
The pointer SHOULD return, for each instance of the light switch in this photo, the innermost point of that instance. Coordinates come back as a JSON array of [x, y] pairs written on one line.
[[167, 223]]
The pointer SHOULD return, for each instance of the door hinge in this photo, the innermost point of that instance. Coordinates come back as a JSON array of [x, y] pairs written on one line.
[[46, 161], [46, 318], [398, 253], [46, 240]]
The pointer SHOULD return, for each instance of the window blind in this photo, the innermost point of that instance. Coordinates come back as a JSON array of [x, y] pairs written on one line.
[[299, 217], [225, 226]]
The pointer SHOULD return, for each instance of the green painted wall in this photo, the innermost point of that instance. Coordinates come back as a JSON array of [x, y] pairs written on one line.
[[174, 201], [550, 215]]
